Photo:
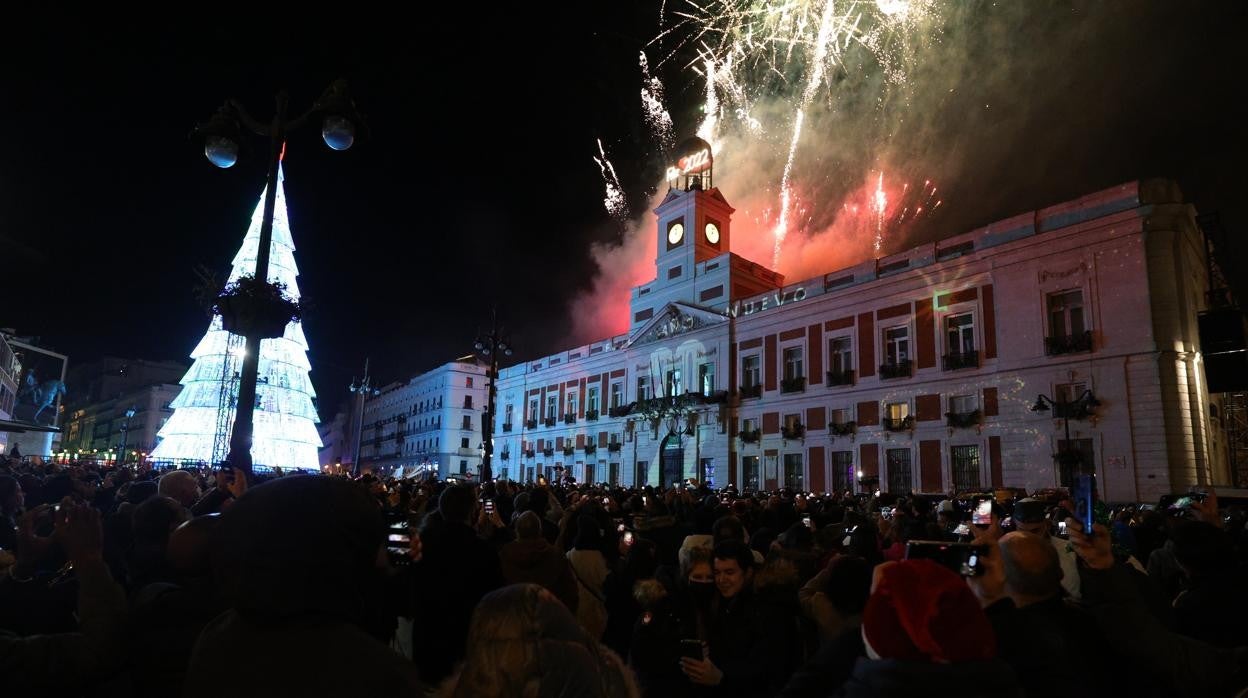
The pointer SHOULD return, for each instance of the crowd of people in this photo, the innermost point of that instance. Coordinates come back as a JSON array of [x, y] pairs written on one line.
[[206, 582]]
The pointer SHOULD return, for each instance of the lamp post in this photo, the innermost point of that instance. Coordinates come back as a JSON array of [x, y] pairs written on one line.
[[491, 345], [362, 391], [222, 140], [125, 434], [1067, 458]]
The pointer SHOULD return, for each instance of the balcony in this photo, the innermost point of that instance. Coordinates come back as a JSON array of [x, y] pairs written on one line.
[[901, 424], [843, 429], [613, 447], [900, 369], [550, 422], [1069, 344], [836, 378], [591, 415], [590, 448], [963, 420], [568, 450], [793, 385], [955, 362], [505, 455], [1079, 410], [797, 431], [506, 426], [751, 437], [530, 453], [751, 391], [530, 424], [569, 419], [548, 452], [620, 410]]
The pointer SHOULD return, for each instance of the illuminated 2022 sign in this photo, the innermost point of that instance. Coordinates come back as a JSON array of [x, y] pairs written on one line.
[[690, 164]]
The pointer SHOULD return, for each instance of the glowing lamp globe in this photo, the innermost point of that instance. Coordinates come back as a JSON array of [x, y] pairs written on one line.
[[221, 151], [338, 132]]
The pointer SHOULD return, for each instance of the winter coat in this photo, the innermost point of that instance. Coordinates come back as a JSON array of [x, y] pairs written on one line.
[[753, 641], [892, 677], [539, 562], [591, 572]]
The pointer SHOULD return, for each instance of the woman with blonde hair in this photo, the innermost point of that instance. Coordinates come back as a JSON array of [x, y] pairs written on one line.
[[524, 643]]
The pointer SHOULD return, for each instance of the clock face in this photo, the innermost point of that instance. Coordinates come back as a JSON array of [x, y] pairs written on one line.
[[675, 234], [712, 233]]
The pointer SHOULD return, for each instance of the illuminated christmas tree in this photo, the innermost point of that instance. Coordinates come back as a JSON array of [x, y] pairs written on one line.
[[285, 418]]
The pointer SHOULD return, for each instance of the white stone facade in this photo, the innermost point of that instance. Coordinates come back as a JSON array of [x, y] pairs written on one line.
[[1097, 294], [430, 423]]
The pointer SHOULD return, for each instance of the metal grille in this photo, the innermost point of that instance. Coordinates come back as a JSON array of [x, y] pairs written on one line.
[[842, 470], [965, 462], [899, 475], [749, 472], [794, 478]]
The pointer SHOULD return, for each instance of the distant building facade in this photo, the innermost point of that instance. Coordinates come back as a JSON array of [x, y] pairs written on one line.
[[912, 372]]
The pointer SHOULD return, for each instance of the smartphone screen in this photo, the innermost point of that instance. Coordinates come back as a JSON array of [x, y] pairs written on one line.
[[1085, 498], [982, 516], [806, 520], [399, 538], [489, 505], [628, 538], [620, 528], [606, 501], [1061, 529], [691, 649]]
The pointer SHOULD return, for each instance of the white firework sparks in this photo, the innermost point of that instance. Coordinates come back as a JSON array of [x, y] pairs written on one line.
[[656, 115], [614, 199]]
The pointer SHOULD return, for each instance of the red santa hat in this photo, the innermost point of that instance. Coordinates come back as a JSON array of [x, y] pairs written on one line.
[[922, 611]]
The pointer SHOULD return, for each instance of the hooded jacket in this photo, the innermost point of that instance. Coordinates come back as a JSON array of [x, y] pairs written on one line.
[[539, 562]]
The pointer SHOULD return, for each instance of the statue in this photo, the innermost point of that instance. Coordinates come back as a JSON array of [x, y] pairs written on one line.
[[41, 396]]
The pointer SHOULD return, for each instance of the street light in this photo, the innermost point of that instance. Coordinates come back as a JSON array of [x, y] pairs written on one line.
[[1067, 457], [491, 345], [222, 139], [125, 433], [362, 390]]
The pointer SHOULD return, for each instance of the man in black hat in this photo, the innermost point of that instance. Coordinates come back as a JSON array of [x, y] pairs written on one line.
[[1030, 516]]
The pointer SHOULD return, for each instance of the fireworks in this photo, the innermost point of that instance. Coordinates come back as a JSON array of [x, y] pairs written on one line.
[[614, 199], [657, 118]]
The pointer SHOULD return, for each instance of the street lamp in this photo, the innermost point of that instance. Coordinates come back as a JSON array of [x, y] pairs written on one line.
[[1067, 458], [125, 433], [491, 345], [222, 139], [362, 390]]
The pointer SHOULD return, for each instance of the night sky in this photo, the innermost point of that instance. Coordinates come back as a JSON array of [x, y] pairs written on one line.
[[476, 185]]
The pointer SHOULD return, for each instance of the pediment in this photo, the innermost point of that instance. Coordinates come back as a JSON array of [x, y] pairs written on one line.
[[675, 319]]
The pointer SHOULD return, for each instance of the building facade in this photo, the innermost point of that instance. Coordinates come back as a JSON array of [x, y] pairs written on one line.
[[102, 428], [429, 424], [912, 372]]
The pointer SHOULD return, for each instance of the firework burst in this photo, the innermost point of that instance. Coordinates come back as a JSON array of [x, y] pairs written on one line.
[[614, 198]]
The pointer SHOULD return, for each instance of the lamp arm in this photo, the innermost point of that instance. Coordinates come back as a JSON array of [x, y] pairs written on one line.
[[245, 118], [302, 118]]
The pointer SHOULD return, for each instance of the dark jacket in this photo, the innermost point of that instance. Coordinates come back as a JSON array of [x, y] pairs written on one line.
[[892, 677], [457, 568], [752, 641], [1055, 648], [539, 562], [829, 668], [667, 617]]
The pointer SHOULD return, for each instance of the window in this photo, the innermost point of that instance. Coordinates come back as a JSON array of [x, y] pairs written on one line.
[[507, 413], [965, 464], [591, 399], [642, 477], [617, 394], [672, 384], [841, 416], [842, 470], [468, 382], [897, 345], [571, 402], [792, 421], [960, 333], [463, 467], [749, 473], [750, 367], [533, 413], [643, 387], [706, 378], [897, 410], [794, 477], [1068, 392], [749, 430], [552, 406], [463, 443], [467, 426], [963, 404], [1066, 314], [613, 473], [840, 355], [793, 364], [899, 478], [467, 402]]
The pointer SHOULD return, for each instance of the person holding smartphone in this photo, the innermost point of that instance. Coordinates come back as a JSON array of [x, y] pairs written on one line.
[[1030, 516]]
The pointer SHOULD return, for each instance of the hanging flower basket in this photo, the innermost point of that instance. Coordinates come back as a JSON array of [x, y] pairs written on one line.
[[256, 309]]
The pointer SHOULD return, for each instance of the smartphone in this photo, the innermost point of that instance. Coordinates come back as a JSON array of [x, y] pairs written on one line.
[[628, 538], [1061, 529], [962, 530], [691, 649], [963, 558], [982, 515], [488, 505], [541, 480], [886, 512], [399, 538], [620, 528], [808, 523], [645, 501], [606, 501], [1085, 498]]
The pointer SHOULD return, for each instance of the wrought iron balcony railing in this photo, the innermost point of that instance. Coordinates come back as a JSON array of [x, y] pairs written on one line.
[[963, 420], [843, 429], [591, 415], [751, 391], [530, 424], [569, 419], [966, 359], [836, 378], [793, 385], [1068, 344], [797, 431], [751, 437], [902, 424], [900, 369], [550, 421], [613, 446], [506, 426]]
